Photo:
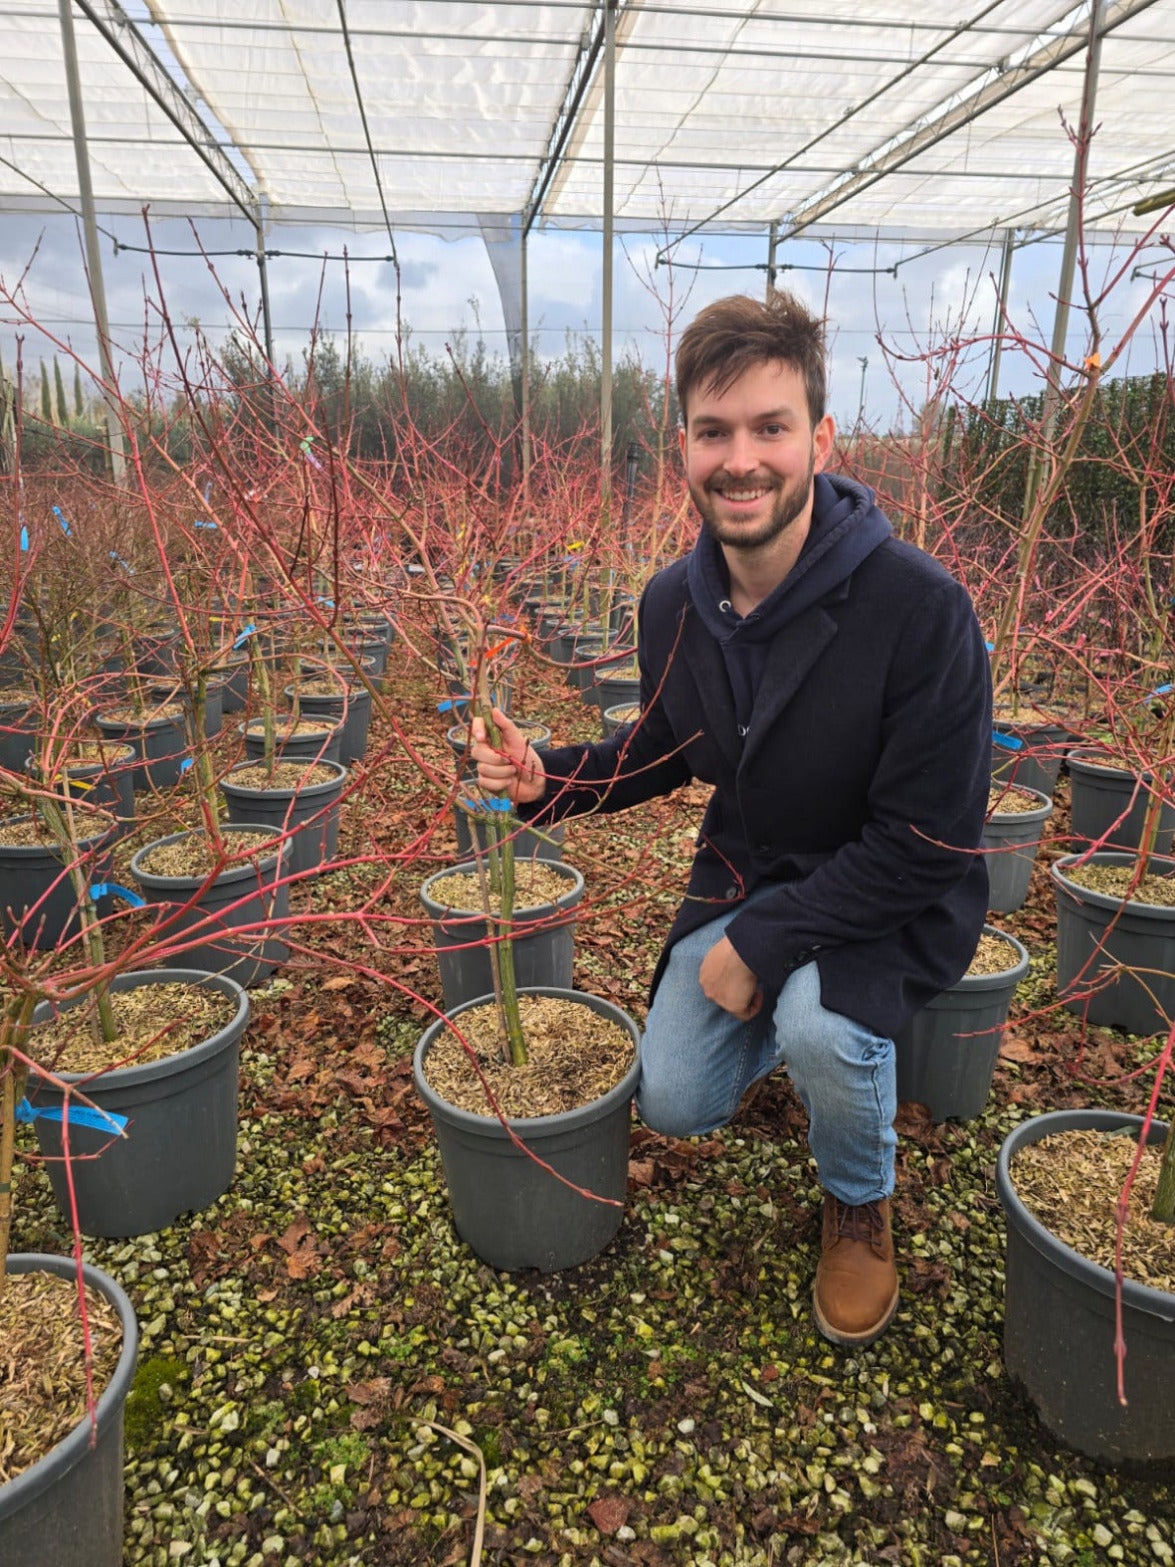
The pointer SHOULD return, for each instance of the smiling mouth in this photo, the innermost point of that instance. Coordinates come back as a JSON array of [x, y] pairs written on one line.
[[743, 496]]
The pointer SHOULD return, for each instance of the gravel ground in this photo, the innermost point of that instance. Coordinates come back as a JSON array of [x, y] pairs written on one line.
[[309, 1340]]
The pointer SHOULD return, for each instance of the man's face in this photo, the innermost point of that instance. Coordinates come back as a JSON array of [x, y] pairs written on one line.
[[750, 454]]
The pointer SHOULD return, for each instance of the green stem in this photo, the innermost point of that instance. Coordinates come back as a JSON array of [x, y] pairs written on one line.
[[499, 836], [12, 1084], [1163, 1207]]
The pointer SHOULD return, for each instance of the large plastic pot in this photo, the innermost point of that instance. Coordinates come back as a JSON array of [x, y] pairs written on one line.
[[162, 743], [180, 1148], [1029, 755], [232, 916], [352, 710], [37, 893], [507, 1208], [946, 1054], [320, 746], [309, 814], [1095, 931], [1111, 804], [18, 723], [1013, 838], [543, 943], [1059, 1321], [67, 1509]]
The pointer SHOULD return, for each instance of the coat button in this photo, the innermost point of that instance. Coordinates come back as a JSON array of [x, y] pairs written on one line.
[[731, 892]]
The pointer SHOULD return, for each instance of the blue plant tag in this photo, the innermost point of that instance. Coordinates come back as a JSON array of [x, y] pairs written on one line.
[[24, 537], [245, 635], [1009, 742], [111, 889], [65, 527], [79, 1115]]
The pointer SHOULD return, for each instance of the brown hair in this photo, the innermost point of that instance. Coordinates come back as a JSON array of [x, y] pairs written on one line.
[[727, 338]]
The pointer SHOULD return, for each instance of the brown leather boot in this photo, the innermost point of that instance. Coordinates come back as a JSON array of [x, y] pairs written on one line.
[[856, 1289]]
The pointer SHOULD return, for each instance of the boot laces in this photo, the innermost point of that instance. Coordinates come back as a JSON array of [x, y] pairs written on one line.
[[865, 1223]]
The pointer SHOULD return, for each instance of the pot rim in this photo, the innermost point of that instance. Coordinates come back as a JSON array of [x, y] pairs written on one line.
[[248, 868], [151, 1071], [1142, 1297], [138, 726], [1103, 900], [294, 761], [446, 914], [32, 1482], [535, 1124], [33, 849], [1084, 762], [1000, 977], [1038, 813]]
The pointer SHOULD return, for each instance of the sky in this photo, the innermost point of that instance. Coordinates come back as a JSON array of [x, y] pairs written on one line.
[[883, 327]]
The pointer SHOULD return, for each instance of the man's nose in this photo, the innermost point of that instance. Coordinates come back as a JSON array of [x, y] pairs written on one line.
[[741, 456]]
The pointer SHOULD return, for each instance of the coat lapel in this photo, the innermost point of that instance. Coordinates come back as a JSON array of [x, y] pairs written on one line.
[[792, 653], [703, 658]]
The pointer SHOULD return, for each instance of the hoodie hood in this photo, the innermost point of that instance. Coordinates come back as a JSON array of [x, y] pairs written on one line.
[[847, 525]]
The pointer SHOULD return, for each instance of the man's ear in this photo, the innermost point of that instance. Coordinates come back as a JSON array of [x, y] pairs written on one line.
[[823, 440], [681, 438]]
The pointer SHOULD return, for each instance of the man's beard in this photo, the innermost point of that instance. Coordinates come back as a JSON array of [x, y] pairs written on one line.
[[790, 501]]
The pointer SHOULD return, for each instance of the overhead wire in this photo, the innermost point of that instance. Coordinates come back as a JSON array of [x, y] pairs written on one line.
[[342, 9]]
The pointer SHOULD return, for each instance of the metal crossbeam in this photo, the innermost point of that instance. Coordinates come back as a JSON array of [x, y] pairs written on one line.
[[128, 43]]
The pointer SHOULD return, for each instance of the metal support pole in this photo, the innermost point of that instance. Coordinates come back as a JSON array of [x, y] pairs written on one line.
[[263, 275], [1093, 57], [606, 324], [525, 368], [1001, 311], [772, 245], [90, 229], [1052, 393]]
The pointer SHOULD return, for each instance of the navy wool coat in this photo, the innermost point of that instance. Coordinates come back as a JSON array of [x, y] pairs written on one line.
[[859, 793]]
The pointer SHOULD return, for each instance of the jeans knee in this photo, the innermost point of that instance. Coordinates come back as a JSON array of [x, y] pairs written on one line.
[[670, 1112]]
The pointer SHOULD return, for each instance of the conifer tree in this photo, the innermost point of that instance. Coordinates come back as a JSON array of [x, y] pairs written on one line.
[[59, 387]]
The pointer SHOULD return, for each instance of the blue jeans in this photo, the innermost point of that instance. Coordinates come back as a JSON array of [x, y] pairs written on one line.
[[697, 1061]]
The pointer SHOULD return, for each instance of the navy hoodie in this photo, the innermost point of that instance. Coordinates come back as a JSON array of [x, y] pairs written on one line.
[[847, 525]]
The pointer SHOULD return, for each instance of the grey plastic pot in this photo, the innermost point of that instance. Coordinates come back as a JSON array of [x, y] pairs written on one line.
[[471, 820], [946, 1054], [615, 691], [36, 892], [67, 1509], [232, 916], [309, 814], [235, 674], [542, 955], [1059, 1321], [17, 727], [352, 711], [510, 1211], [1036, 762], [162, 743], [180, 1149], [1101, 794], [213, 703], [622, 713], [106, 783], [1013, 837], [1095, 930], [321, 746]]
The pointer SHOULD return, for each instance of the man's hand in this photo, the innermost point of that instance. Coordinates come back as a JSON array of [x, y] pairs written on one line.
[[512, 765], [728, 982]]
